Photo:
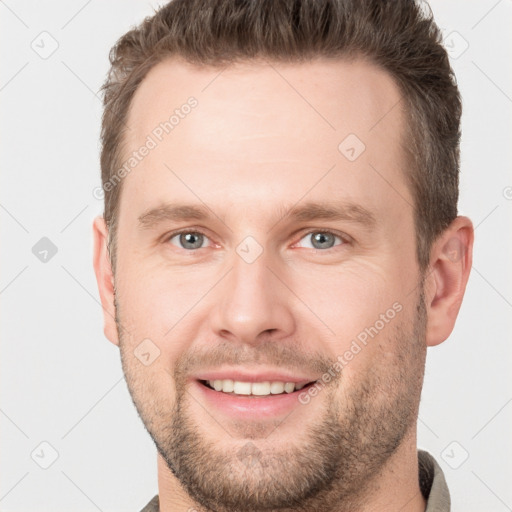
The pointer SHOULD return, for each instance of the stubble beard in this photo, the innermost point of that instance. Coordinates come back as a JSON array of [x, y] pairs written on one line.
[[335, 464]]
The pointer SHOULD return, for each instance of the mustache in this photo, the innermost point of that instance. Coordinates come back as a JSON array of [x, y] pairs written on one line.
[[272, 353]]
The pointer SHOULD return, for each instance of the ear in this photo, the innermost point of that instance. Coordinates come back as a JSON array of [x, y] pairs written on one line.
[[450, 263], [104, 278]]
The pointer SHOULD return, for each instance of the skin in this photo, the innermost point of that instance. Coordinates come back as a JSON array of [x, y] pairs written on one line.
[[252, 149]]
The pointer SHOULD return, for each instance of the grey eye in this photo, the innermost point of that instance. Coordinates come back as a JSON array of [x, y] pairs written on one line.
[[321, 239], [191, 240]]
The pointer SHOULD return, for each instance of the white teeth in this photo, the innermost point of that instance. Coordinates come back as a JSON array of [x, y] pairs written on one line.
[[289, 387], [242, 388], [254, 388], [277, 387], [228, 385], [260, 388]]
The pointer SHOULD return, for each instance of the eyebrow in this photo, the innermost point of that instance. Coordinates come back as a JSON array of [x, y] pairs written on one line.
[[305, 212]]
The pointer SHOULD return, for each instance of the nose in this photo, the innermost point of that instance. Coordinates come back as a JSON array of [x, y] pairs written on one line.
[[253, 304]]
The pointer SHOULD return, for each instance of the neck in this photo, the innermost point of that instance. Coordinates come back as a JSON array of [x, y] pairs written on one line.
[[396, 487]]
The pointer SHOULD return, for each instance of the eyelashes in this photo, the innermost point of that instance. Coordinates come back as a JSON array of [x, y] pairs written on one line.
[[196, 239]]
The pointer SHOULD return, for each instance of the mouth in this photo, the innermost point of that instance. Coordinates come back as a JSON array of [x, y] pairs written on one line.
[[255, 389], [243, 395]]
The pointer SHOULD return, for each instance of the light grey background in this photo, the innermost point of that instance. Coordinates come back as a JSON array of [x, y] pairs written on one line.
[[61, 380]]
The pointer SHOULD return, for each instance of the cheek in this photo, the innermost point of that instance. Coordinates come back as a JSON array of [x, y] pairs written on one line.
[[154, 300], [362, 309], [346, 298], [159, 309]]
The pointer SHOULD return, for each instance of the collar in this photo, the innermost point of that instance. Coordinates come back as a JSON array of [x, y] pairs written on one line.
[[432, 484]]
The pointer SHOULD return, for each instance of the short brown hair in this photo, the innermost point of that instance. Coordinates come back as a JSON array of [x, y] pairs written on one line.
[[399, 36]]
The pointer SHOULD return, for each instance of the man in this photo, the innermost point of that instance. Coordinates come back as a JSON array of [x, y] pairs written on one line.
[[279, 247]]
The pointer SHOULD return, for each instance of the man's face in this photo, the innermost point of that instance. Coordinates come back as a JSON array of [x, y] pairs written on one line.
[[265, 286]]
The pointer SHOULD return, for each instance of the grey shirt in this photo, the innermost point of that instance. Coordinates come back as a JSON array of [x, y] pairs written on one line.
[[432, 485]]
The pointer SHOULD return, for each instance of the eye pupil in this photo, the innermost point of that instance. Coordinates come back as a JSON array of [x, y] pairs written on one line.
[[322, 240], [191, 240], [194, 240]]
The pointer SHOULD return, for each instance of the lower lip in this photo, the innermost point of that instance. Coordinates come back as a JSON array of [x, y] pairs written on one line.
[[250, 406]]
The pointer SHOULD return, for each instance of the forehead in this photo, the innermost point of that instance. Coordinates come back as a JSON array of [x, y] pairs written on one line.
[[265, 129]]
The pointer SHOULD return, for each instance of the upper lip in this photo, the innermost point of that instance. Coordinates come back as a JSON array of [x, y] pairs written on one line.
[[244, 375]]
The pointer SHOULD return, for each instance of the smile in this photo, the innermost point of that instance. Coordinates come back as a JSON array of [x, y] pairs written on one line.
[[265, 388]]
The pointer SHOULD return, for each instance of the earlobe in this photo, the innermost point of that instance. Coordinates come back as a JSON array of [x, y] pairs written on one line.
[[450, 265], [104, 278]]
